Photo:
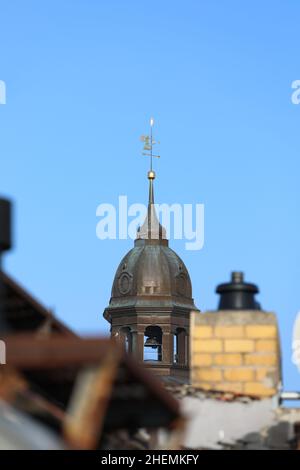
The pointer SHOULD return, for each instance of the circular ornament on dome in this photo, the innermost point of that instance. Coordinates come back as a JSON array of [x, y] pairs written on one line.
[[181, 283], [125, 282]]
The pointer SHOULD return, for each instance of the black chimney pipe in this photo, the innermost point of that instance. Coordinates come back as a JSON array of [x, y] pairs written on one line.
[[237, 294]]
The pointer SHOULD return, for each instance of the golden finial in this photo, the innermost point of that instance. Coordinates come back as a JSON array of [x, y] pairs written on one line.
[[151, 175]]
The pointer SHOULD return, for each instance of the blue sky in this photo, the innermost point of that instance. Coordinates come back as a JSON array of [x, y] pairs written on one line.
[[83, 78]]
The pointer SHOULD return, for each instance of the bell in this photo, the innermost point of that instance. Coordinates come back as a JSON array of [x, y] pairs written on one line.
[[152, 342]]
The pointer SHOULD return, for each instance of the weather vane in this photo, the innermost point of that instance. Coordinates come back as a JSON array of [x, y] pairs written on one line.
[[149, 142]]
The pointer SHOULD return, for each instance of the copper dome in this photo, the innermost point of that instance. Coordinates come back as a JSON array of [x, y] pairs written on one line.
[[151, 274]]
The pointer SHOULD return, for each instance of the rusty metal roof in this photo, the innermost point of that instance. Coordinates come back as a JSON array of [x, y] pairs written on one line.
[[23, 313], [84, 387]]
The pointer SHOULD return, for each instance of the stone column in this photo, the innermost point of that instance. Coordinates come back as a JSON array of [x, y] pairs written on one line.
[[167, 347], [182, 348], [138, 345]]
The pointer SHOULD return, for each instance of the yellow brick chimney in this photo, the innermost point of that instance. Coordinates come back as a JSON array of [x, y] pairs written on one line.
[[236, 348]]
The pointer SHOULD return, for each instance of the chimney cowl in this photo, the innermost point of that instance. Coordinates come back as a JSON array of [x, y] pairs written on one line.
[[237, 294]]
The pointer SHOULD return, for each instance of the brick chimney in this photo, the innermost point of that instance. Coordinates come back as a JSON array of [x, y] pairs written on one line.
[[236, 348]]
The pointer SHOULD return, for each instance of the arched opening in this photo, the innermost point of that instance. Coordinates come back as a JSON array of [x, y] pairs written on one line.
[[153, 344], [175, 349], [180, 346], [126, 338]]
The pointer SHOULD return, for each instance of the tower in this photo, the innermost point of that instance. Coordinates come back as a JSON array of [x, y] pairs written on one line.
[[151, 299]]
